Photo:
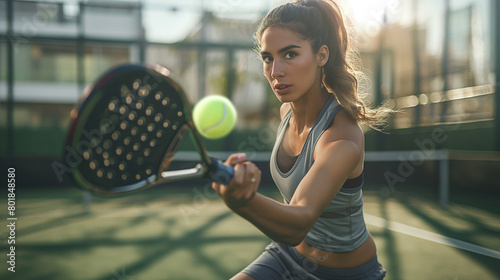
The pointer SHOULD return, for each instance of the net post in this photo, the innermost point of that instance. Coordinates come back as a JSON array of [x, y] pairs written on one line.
[[87, 201], [444, 179]]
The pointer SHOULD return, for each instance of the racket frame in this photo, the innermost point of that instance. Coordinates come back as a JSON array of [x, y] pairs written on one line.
[[208, 166]]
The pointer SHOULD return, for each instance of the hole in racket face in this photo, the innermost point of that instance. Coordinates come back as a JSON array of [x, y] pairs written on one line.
[[137, 116]]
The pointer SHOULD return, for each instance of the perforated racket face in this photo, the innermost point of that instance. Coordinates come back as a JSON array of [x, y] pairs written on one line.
[[127, 124]]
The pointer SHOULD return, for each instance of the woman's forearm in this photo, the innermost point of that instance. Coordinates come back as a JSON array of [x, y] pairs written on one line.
[[282, 223]]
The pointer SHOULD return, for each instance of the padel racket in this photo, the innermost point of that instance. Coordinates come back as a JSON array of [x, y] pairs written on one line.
[[127, 130]]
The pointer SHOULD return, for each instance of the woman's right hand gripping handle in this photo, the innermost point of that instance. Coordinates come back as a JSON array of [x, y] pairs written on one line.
[[244, 184]]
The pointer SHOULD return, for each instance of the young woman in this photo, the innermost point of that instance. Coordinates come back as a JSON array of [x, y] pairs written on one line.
[[317, 161]]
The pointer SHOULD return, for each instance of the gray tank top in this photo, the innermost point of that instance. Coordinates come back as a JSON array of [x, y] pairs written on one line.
[[341, 227]]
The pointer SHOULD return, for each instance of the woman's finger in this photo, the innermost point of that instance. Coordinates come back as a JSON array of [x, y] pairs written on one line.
[[236, 158], [216, 187], [239, 173], [251, 172]]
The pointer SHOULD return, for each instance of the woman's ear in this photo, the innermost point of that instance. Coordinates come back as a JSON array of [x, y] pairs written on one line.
[[323, 55]]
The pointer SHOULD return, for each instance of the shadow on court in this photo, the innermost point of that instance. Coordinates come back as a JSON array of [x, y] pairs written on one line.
[[146, 236], [391, 251], [157, 249], [462, 220], [472, 232], [64, 233]]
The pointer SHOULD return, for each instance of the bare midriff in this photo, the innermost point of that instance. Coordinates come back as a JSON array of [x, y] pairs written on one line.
[[359, 256]]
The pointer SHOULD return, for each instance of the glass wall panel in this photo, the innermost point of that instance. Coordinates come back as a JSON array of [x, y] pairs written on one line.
[[41, 115], [168, 23], [3, 98], [3, 16], [397, 39], [45, 61], [227, 30], [108, 20], [3, 71], [419, 86], [400, 42], [45, 71], [3, 128], [40, 128], [404, 118], [431, 28], [38, 18], [470, 65], [44, 92], [213, 21], [470, 43], [471, 109], [216, 72], [99, 58], [182, 62], [396, 52], [252, 96], [366, 80]]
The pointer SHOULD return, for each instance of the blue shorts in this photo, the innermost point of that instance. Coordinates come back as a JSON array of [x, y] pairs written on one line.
[[281, 262]]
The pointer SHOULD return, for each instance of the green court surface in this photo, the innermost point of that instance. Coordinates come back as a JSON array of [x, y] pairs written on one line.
[[189, 234]]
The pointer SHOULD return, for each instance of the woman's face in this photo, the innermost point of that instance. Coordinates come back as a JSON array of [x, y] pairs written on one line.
[[290, 65]]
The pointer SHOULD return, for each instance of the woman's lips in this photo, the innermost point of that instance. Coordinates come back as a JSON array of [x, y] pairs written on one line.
[[282, 89]]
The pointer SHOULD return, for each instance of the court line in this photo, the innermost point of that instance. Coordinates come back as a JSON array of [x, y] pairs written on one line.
[[430, 236]]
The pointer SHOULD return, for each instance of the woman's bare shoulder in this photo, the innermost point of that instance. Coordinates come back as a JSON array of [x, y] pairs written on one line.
[[343, 127]]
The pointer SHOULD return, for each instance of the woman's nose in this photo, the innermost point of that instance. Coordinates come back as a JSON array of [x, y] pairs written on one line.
[[277, 70]]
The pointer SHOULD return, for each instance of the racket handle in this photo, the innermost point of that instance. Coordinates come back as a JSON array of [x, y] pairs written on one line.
[[220, 172]]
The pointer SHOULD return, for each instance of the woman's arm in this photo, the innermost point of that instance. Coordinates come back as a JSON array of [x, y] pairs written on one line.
[[290, 223]]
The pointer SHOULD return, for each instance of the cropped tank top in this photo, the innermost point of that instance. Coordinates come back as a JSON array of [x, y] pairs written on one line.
[[341, 227]]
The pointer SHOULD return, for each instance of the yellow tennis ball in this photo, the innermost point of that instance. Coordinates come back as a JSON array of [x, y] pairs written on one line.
[[214, 116]]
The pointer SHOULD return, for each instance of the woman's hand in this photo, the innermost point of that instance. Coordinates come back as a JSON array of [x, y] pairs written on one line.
[[244, 184]]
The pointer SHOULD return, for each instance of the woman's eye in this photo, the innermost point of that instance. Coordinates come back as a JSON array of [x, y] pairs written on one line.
[[290, 55], [267, 59]]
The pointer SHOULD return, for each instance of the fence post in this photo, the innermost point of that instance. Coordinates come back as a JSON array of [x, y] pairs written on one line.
[[444, 179]]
